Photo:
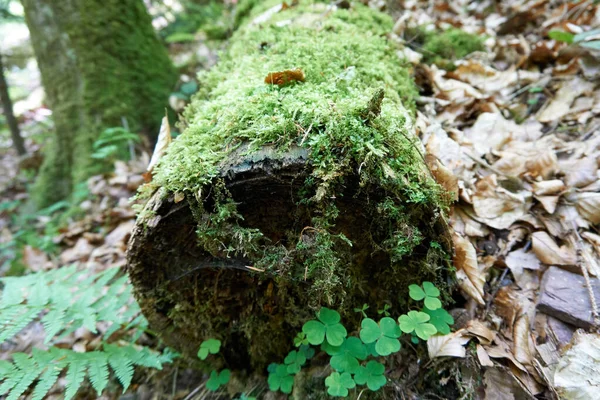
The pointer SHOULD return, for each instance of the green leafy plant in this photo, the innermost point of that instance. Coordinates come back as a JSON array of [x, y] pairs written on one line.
[[211, 346], [281, 379], [218, 379], [385, 334], [328, 326], [416, 321], [372, 375], [65, 300], [580, 39], [345, 358], [427, 292], [338, 384], [114, 144], [349, 355]]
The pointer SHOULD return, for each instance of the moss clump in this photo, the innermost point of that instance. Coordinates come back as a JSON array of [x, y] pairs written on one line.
[[442, 48], [353, 224]]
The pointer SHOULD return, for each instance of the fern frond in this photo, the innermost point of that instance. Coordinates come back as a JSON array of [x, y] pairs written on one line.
[[30, 371], [10, 328], [98, 371], [53, 323], [47, 380], [121, 363], [68, 303], [75, 375]]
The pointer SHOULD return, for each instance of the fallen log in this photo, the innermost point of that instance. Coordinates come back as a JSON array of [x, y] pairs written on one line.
[[297, 183]]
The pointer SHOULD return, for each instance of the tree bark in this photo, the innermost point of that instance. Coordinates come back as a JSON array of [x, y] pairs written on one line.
[[7, 106], [297, 184], [100, 62]]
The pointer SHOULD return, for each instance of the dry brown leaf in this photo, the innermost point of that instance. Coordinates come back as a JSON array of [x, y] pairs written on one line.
[[499, 385], [546, 249], [484, 334], [548, 202], [282, 78], [523, 346], [484, 357], [561, 103], [519, 260], [452, 89], [581, 172], [490, 80], [163, 141], [548, 187], [443, 176], [35, 259], [470, 276], [588, 205], [462, 223], [577, 375], [544, 164], [450, 345]]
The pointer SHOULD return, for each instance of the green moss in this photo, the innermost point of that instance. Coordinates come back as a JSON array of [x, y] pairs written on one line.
[[444, 47]]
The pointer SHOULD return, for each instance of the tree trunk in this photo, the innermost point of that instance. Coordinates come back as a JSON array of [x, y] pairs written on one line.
[[100, 62], [297, 184], [11, 121]]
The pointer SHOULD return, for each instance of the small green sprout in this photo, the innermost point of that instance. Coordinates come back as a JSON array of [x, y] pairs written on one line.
[[338, 384], [280, 379], [211, 346], [372, 375], [428, 292], [362, 310], [345, 358], [385, 312], [217, 380], [300, 339], [386, 334], [329, 327], [416, 321]]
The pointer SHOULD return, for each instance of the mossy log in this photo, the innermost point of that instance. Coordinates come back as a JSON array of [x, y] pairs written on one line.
[[279, 199]]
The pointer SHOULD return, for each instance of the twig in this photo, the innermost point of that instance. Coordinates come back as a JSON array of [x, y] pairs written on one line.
[[586, 275], [193, 392]]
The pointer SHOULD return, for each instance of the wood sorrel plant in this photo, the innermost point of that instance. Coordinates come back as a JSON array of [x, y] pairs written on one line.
[[360, 360]]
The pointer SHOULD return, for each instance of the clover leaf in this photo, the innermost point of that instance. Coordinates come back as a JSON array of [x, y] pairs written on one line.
[[386, 334], [294, 361], [428, 292], [417, 321], [372, 375], [329, 327], [217, 380], [338, 384], [345, 358], [441, 319], [211, 346], [280, 379]]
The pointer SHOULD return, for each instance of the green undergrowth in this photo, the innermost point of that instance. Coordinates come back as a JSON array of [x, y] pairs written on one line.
[[445, 47]]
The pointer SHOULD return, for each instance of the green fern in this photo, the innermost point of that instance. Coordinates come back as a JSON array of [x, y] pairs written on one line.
[[46, 366], [64, 300]]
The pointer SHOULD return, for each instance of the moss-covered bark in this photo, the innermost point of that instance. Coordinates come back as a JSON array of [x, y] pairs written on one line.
[[100, 61], [279, 199]]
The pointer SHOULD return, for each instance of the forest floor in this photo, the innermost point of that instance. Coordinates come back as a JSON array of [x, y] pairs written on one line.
[[513, 129]]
